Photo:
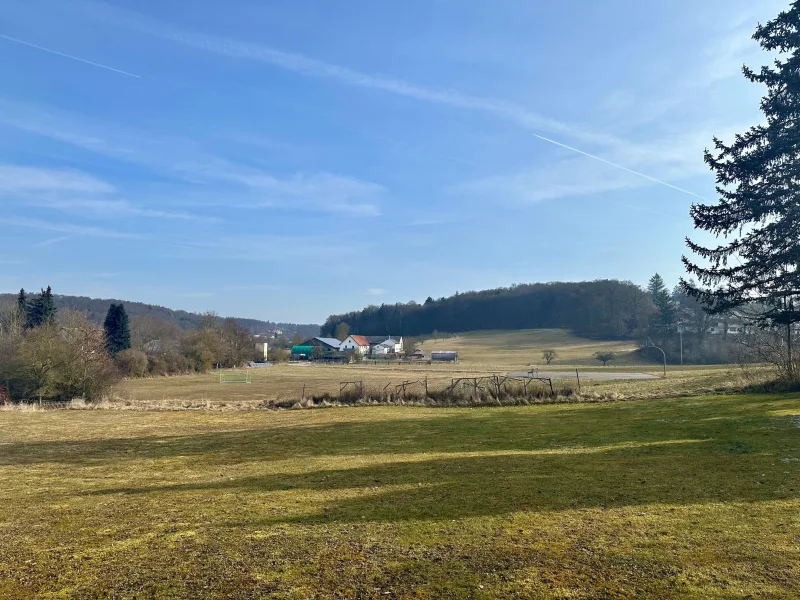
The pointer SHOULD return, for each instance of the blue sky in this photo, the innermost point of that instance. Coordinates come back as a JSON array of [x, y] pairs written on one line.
[[288, 160]]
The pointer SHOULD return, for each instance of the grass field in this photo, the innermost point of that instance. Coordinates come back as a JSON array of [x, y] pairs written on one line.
[[515, 349], [481, 353], [677, 498]]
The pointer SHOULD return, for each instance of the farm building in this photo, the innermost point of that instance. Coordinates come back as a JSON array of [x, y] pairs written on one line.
[[302, 352], [384, 348], [262, 350], [393, 343], [373, 344], [444, 356], [355, 343], [262, 346], [326, 344]]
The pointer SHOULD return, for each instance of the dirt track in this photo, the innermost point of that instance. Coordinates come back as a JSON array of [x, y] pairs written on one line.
[[607, 375]]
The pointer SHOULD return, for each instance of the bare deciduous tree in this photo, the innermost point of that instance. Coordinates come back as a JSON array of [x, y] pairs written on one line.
[[605, 357]]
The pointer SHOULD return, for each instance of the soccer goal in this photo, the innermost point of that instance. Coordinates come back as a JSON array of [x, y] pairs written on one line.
[[235, 377]]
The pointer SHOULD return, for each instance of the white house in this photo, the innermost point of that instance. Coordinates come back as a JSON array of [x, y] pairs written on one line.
[[382, 350], [393, 343], [372, 344], [355, 343]]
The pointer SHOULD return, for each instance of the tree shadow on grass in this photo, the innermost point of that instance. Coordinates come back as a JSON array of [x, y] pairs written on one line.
[[522, 429], [684, 472]]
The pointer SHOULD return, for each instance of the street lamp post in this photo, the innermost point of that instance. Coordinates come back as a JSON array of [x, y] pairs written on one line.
[[650, 344]]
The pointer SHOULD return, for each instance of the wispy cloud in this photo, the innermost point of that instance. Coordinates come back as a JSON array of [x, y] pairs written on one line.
[[15, 178], [69, 56], [69, 228], [299, 63], [108, 208], [376, 291], [256, 287], [269, 248], [240, 186], [73, 192], [324, 192], [304, 65]]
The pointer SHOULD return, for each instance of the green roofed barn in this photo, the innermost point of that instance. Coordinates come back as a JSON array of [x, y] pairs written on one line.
[[302, 352]]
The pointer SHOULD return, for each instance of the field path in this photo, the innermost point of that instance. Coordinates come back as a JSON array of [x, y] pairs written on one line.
[[600, 375]]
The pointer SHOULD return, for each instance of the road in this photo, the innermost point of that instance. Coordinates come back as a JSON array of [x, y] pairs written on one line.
[[602, 375]]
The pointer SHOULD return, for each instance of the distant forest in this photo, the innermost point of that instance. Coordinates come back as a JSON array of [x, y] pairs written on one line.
[[604, 309], [96, 309]]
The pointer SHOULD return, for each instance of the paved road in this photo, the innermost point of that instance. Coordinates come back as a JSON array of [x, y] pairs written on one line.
[[587, 375]]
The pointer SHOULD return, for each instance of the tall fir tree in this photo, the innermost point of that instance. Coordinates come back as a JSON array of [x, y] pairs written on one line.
[[664, 319], [758, 212], [117, 329], [41, 310], [48, 307], [22, 305]]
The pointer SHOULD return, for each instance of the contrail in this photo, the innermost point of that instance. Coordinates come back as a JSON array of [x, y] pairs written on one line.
[[88, 62], [53, 241], [618, 166]]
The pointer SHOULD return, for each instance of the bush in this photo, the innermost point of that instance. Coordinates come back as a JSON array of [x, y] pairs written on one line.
[[157, 366], [279, 354], [132, 363], [176, 363]]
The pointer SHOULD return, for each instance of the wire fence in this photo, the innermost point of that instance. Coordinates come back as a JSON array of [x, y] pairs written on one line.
[[455, 390]]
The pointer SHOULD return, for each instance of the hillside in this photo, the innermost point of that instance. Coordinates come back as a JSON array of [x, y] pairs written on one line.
[[520, 349], [603, 309], [96, 309]]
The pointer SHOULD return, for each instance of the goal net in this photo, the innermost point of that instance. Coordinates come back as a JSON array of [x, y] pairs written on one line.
[[235, 377]]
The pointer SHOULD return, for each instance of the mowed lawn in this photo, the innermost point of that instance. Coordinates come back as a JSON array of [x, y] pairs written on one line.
[[679, 498]]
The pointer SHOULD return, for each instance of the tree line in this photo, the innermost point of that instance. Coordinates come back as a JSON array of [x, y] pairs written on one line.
[[609, 310], [603, 309], [96, 308], [50, 354]]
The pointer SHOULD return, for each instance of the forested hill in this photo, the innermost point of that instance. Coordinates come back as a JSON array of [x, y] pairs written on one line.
[[96, 309], [607, 309]]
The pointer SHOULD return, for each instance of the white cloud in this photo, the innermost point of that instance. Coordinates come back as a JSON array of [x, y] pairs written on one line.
[[239, 185], [72, 192], [376, 291], [68, 228], [106, 208], [312, 67], [324, 192], [15, 178], [267, 248]]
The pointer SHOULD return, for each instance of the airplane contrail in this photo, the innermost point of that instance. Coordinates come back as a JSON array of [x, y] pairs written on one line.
[[88, 62], [618, 166]]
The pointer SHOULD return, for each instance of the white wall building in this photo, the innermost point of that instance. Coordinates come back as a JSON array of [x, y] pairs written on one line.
[[355, 343]]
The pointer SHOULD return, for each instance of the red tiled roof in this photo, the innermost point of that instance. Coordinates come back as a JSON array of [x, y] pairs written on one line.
[[361, 340]]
